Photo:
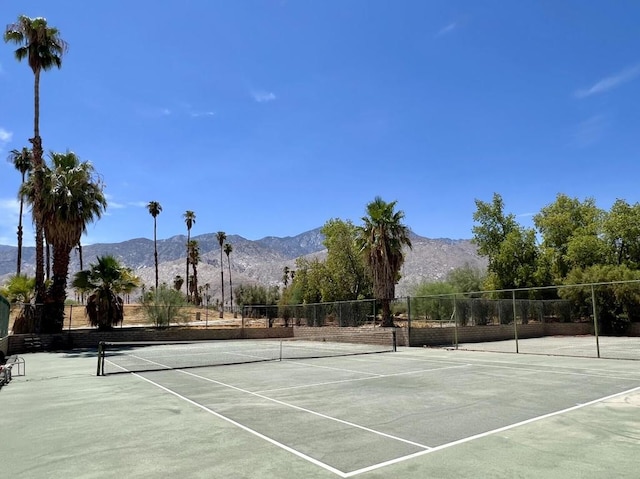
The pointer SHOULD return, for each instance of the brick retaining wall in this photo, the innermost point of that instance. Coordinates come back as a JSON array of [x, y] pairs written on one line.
[[478, 334], [89, 338]]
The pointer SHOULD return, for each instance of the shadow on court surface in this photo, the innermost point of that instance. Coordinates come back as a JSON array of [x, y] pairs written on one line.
[[414, 413]]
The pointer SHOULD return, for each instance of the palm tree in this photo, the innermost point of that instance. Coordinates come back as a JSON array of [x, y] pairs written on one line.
[[22, 161], [71, 198], [189, 219], [105, 280], [222, 236], [285, 276], [381, 239], [193, 257], [177, 282], [227, 250], [43, 48], [154, 210]]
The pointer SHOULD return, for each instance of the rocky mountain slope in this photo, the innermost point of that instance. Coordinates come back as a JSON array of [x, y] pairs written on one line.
[[258, 261]]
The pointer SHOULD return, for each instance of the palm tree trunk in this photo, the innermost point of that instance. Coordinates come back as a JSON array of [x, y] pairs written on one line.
[[221, 282], [37, 170], [81, 267], [230, 287], [58, 290], [155, 250], [187, 287], [18, 268]]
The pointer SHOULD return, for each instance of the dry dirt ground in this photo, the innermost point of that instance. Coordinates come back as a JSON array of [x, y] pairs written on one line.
[[134, 315]]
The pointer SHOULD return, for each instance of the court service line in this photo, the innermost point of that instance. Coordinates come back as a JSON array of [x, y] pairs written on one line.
[[245, 428], [379, 376], [487, 433], [310, 411]]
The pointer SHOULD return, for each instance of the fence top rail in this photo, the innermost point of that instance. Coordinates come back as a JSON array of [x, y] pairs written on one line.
[[533, 288], [308, 304]]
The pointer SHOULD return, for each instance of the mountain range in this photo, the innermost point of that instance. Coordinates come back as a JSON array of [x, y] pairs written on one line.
[[260, 261]]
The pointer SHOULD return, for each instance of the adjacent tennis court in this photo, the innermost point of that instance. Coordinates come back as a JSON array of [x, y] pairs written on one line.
[[414, 413]]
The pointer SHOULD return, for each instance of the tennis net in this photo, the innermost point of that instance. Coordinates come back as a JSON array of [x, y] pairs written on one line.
[[141, 356]]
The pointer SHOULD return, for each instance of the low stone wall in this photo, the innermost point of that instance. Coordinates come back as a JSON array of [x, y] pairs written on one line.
[[89, 338], [478, 334]]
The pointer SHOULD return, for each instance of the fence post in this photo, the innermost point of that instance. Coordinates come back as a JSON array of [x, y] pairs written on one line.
[[455, 323], [515, 318], [595, 320]]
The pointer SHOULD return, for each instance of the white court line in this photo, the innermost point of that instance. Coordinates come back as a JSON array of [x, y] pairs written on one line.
[[633, 376], [326, 383], [299, 408], [485, 434], [247, 429]]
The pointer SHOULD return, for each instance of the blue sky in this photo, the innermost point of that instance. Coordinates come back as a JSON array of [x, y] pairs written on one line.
[[269, 117]]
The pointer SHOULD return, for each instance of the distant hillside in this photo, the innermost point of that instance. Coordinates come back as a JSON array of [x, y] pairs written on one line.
[[258, 261]]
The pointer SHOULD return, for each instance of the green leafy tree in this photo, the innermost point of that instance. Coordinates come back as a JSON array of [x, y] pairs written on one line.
[[164, 306], [616, 304], [466, 279], [43, 48], [189, 219], [154, 210], [344, 264], [570, 230], [71, 198], [221, 237], [511, 250], [621, 234], [382, 239], [22, 160], [105, 281]]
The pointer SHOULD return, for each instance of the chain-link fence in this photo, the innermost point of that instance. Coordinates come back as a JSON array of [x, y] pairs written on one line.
[[339, 314]]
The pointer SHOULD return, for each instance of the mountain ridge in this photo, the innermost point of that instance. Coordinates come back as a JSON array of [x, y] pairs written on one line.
[[252, 261]]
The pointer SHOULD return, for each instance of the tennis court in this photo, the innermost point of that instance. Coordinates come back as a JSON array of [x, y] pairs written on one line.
[[414, 413]]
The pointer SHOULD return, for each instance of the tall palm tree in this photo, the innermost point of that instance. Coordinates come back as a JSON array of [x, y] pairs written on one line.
[[105, 280], [381, 239], [154, 210], [189, 219], [227, 250], [285, 276], [221, 236], [71, 198], [194, 257], [23, 162], [43, 48]]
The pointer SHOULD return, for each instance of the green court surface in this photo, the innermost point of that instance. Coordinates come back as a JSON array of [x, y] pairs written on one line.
[[415, 413]]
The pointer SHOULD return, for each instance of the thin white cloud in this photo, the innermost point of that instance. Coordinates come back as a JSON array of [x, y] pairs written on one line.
[[153, 112], [139, 204], [199, 114], [5, 136], [589, 131], [610, 82], [447, 29], [263, 96]]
